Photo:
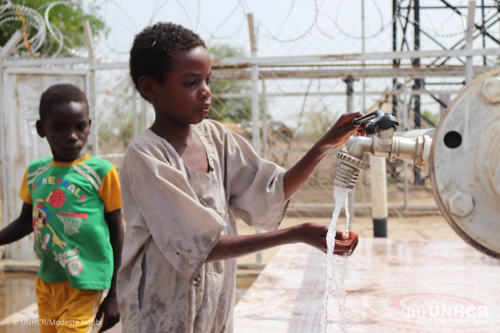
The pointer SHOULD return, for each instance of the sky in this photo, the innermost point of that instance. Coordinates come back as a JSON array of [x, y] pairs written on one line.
[[288, 27], [284, 26]]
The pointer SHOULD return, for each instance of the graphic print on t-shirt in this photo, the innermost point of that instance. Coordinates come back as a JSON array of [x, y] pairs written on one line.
[[71, 235], [42, 217], [51, 227]]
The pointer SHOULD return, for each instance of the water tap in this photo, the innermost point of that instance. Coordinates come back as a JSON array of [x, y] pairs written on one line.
[[381, 140]]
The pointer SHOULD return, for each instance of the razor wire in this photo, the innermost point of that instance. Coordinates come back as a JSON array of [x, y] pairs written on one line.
[[41, 23]]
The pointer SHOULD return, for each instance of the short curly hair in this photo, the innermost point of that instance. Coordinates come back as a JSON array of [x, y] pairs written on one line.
[[153, 50], [60, 93]]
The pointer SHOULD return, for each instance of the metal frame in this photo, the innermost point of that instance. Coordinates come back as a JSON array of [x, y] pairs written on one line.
[[357, 66]]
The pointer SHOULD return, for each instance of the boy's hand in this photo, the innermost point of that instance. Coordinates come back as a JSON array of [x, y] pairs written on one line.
[[347, 245], [314, 234], [342, 130], [109, 308]]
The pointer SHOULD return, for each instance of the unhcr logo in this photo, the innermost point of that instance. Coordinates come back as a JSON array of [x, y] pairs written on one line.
[[412, 312], [446, 314]]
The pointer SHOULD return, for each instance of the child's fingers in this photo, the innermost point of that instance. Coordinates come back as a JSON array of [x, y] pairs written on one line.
[[341, 235], [361, 130]]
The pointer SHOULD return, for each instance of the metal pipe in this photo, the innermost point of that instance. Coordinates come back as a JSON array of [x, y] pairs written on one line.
[[136, 106], [418, 82], [469, 69], [255, 100], [483, 30], [350, 108], [5, 197], [380, 213]]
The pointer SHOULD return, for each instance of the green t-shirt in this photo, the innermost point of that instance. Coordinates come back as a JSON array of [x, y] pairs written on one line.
[[71, 234]]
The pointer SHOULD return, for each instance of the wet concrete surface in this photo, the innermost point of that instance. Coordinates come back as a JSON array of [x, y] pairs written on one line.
[[411, 286], [17, 291]]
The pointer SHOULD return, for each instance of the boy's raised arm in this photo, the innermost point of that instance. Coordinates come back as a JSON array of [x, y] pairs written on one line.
[[297, 175], [21, 227], [109, 307]]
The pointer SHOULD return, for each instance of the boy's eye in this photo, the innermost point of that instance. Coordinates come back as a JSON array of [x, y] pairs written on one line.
[[209, 81], [190, 83]]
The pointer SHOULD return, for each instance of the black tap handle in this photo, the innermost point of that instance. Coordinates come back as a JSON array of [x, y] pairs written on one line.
[[386, 122], [367, 117]]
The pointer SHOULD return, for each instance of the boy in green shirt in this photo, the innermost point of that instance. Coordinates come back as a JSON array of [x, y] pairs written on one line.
[[72, 203]]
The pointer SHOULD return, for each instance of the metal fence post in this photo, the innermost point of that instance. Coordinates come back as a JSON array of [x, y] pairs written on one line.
[[255, 100], [469, 69], [7, 205], [91, 88], [350, 108], [135, 118]]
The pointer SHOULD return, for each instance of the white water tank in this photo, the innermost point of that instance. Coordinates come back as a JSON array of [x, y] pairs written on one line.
[[465, 164]]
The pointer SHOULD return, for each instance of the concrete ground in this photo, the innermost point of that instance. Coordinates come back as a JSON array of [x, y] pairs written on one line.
[[17, 291], [410, 227], [399, 227]]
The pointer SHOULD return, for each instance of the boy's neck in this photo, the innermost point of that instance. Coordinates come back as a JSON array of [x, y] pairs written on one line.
[[57, 158], [67, 162], [172, 131]]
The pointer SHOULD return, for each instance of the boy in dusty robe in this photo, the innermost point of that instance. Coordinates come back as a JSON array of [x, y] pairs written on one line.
[[183, 180]]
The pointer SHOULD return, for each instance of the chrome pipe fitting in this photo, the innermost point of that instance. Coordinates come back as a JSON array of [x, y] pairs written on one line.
[[348, 170]]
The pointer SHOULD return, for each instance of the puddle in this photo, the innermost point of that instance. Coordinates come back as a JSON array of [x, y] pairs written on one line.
[[17, 291]]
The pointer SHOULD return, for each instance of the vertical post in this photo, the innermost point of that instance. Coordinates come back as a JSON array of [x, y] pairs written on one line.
[[418, 82], [363, 49], [445, 98], [469, 69], [378, 171], [264, 120], [255, 99], [2, 153], [395, 62], [136, 106], [483, 30], [350, 108], [255, 87], [349, 93], [498, 17], [91, 89], [144, 115], [4, 53], [405, 164], [8, 204]]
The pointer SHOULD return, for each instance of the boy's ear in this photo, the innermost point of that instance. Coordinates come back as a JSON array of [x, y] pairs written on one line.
[[39, 129], [146, 88]]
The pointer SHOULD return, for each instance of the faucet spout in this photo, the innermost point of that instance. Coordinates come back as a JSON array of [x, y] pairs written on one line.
[[412, 149]]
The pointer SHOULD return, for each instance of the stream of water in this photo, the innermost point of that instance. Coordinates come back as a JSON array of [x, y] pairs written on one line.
[[336, 266]]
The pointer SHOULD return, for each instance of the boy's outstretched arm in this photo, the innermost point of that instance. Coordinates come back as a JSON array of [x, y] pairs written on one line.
[[21, 227], [297, 175], [109, 307], [313, 234]]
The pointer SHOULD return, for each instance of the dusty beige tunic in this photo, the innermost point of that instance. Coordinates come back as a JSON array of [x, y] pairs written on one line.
[[175, 217]]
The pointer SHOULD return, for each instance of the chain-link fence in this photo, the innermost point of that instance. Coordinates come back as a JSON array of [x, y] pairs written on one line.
[[308, 75]]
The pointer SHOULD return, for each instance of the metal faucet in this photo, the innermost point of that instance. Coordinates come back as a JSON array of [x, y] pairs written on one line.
[[413, 146]]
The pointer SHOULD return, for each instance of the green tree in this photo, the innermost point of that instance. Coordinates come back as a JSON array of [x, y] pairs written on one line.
[[235, 110], [65, 23]]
